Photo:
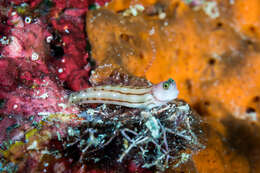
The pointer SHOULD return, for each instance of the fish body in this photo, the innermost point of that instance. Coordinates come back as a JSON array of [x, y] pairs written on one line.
[[134, 97]]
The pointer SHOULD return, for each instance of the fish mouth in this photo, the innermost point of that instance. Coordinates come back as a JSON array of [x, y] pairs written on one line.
[[157, 99]]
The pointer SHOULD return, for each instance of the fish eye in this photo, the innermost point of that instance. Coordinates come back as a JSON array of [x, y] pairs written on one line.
[[166, 85]]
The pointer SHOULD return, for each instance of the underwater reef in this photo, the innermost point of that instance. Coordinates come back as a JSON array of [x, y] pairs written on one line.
[[53, 49]]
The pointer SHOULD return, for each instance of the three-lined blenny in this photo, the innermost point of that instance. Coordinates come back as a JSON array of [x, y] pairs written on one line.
[[134, 97]]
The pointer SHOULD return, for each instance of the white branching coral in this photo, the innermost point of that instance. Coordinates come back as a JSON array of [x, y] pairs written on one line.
[[157, 138]]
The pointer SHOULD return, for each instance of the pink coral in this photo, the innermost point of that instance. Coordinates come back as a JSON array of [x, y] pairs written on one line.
[[28, 85], [27, 41]]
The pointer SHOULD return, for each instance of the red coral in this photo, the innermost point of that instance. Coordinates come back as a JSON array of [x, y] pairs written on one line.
[[70, 67], [78, 80], [37, 91], [61, 4], [4, 124], [33, 3], [18, 2], [8, 75], [26, 78], [133, 167], [101, 2]]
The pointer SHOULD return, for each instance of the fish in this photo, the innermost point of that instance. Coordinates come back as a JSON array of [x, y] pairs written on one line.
[[128, 96]]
